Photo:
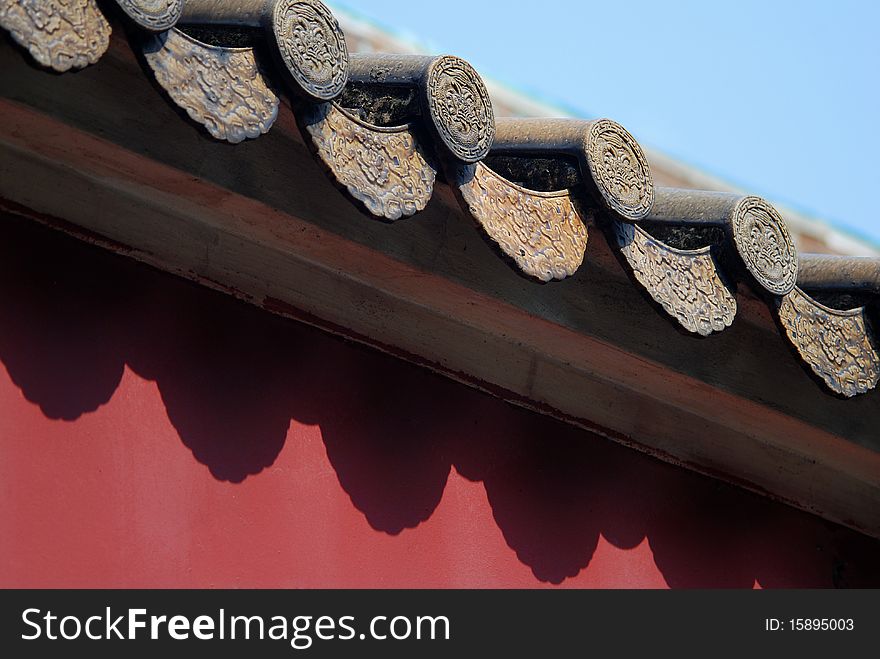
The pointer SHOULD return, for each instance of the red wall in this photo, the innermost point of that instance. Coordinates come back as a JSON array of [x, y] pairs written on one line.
[[153, 433]]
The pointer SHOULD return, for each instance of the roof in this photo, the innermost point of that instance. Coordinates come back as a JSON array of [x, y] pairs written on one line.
[[398, 133]]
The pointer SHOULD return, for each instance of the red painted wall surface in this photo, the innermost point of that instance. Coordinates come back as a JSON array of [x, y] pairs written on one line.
[[153, 433]]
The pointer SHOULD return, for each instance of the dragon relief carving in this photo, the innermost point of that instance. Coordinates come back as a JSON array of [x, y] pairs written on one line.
[[685, 283], [221, 88], [385, 169], [59, 34], [836, 344], [541, 231]]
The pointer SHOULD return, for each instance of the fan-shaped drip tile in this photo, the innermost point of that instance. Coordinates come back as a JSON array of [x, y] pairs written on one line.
[[384, 169], [686, 283], [541, 231], [221, 88], [60, 35], [836, 344]]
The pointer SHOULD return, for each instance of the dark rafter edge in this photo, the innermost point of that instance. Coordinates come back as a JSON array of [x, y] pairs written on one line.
[[314, 62]]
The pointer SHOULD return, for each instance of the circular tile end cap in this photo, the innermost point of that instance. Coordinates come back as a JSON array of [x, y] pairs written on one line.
[[460, 108], [152, 15], [765, 245], [312, 46], [620, 170]]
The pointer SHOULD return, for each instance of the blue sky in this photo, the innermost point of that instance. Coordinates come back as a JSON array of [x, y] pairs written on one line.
[[781, 98]]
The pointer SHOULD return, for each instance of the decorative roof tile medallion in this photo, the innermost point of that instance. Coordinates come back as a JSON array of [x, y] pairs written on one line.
[[686, 283], [385, 169], [764, 245], [836, 344], [312, 46], [460, 108], [59, 34], [153, 15], [620, 170], [542, 232], [221, 88]]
